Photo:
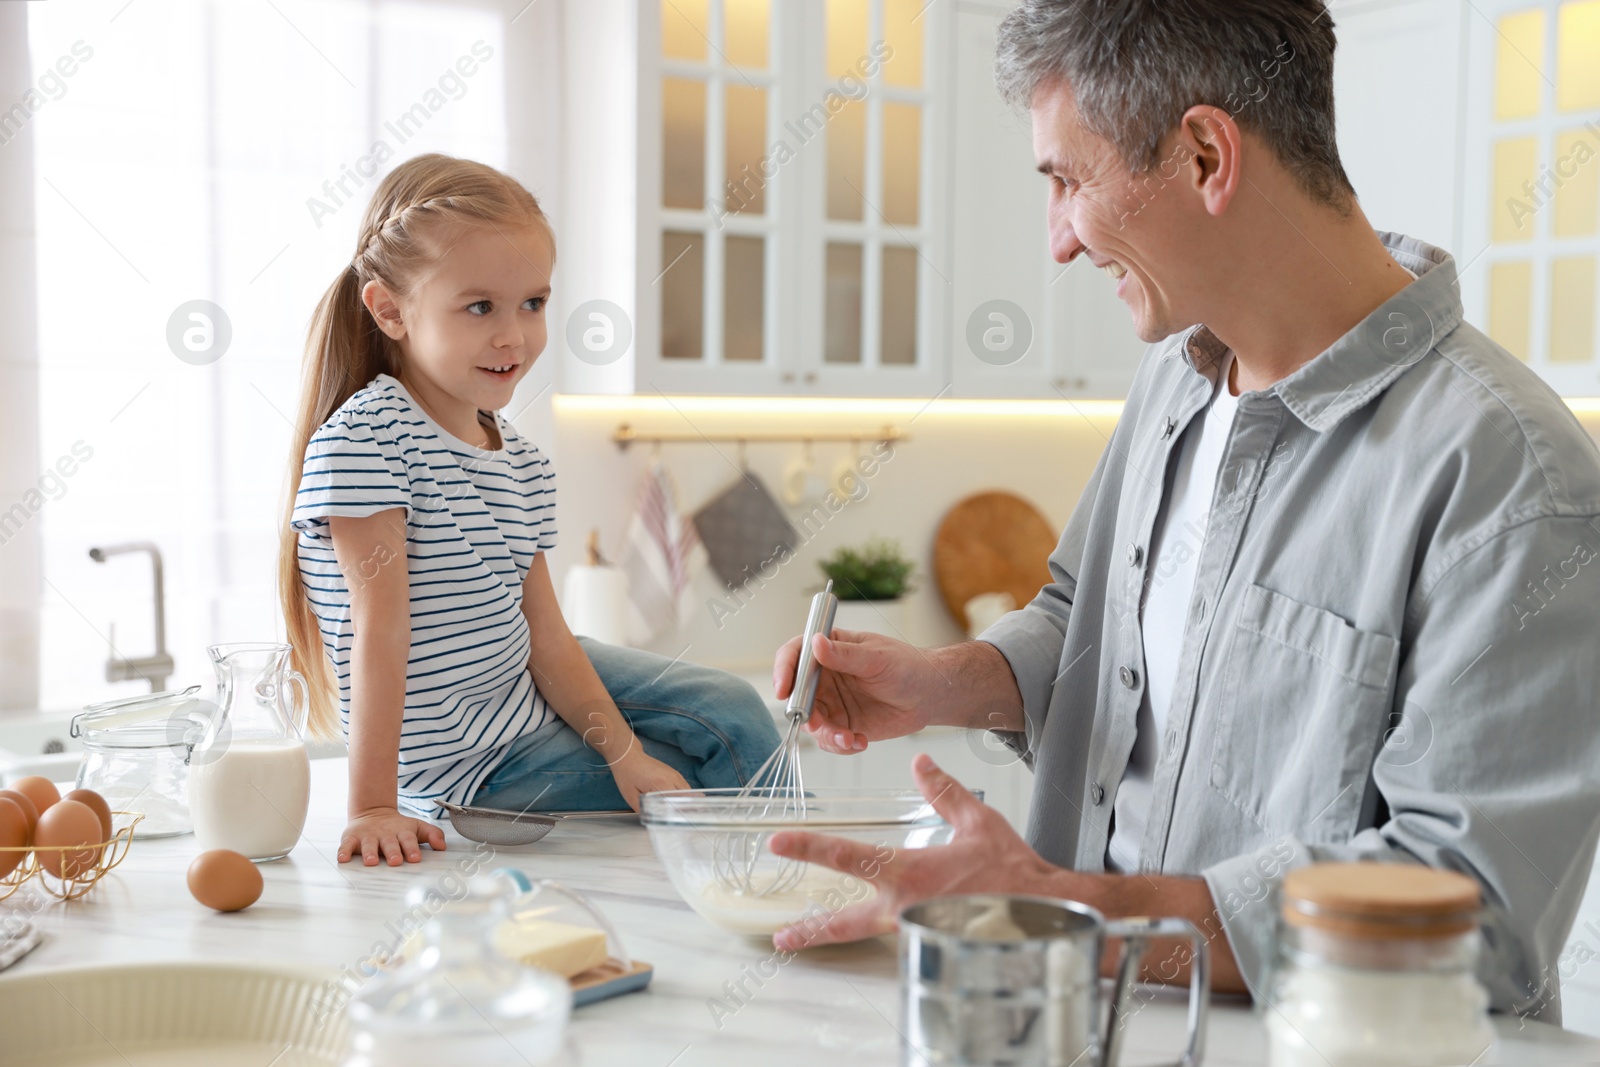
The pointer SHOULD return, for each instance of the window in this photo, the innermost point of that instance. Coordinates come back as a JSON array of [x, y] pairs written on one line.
[[205, 150], [794, 207], [1533, 201]]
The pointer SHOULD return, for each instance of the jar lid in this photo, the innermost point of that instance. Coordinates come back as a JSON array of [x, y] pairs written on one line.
[[149, 720], [1385, 900]]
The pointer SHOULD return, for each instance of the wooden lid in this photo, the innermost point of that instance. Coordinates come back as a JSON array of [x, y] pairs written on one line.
[[1388, 900]]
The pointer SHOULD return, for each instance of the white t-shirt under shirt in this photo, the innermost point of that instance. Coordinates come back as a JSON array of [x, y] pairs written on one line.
[[1175, 541], [475, 518]]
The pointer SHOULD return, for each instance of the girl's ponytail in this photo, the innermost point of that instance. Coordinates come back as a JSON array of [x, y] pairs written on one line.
[[345, 349], [344, 352]]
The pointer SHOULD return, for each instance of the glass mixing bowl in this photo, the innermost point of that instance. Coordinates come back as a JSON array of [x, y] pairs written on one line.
[[713, 844]]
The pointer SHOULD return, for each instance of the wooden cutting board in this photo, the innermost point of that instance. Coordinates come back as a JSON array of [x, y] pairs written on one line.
[[989, 543]]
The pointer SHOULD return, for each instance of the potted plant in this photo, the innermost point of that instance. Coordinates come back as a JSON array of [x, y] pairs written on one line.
[[871, 583]]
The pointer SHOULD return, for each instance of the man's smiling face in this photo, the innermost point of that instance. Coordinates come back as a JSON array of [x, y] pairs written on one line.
[[1094, 211]]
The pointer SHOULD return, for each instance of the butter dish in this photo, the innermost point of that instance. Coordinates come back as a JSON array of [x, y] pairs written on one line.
[[561, 924], [559, 930]]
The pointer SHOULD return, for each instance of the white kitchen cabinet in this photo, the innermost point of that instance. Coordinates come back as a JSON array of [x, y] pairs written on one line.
[[1022, 324], [1436, 150], [792, 183], [1529, 236], [1411, 138], [1398, 135], [762, 286]]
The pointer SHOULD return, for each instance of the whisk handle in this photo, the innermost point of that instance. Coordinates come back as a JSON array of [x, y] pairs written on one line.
[[818, 621]]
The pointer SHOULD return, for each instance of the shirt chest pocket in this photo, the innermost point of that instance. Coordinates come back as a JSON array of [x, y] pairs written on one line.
[[1304, 702]]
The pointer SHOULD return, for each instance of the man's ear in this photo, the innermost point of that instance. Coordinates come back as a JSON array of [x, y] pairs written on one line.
[[385, 309], [1217, 149]]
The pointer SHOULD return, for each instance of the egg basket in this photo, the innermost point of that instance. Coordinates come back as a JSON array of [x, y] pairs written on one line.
[[79, 882]]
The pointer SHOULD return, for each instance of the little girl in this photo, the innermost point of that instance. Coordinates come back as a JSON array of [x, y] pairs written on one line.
[[412, 567]]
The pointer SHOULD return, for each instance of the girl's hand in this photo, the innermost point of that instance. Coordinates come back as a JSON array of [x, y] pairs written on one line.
[[385, 831], [636, 773]]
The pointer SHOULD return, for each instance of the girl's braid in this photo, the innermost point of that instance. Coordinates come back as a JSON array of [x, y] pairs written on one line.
[[393, 219]]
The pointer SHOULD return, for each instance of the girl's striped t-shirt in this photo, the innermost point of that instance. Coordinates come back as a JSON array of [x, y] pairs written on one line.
[[475, 518]]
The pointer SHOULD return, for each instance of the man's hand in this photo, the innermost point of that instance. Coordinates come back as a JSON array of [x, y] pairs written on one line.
[[871, 688], [638, 772], [985, 855], [385, 832]]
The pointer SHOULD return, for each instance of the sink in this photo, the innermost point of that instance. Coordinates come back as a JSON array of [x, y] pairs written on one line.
[[41, 742], [38, 742]]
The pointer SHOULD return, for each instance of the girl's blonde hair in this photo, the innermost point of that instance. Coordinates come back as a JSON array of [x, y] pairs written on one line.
[[412, 214]]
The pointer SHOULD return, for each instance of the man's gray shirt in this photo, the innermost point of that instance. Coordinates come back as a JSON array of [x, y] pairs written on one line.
[[1392, 650]]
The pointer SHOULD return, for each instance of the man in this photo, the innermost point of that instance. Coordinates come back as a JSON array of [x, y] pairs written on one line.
[[1331, 592]]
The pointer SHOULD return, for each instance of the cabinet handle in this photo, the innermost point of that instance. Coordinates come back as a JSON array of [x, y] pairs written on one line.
[[788, 376], [811, 376]]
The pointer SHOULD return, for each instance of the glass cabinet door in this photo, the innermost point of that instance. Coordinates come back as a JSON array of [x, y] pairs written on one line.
[[876, 249], [1531, 210], [793, 236], [715, 265]]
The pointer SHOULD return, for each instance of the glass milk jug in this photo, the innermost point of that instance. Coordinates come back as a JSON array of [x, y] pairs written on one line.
[[1375, 968], [250, 777]]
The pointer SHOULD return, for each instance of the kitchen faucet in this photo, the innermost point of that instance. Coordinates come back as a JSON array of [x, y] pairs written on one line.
[[155, 668]]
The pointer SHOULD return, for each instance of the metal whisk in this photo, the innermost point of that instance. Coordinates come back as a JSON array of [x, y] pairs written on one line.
[[776, 792]]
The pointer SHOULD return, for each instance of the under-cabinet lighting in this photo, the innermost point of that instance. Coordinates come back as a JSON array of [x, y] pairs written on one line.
[[909, 407]]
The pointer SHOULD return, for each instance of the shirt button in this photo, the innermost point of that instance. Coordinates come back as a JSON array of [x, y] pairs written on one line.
[[1096, 794], [1172, 744], [1129, 676], [1135, 555], [1167, 428], [1200, 611]]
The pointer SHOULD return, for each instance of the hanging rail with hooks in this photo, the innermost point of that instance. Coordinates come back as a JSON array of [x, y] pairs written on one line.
[[626, 435]]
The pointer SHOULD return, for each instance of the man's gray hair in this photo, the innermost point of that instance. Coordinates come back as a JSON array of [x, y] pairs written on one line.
[[1135, 66]]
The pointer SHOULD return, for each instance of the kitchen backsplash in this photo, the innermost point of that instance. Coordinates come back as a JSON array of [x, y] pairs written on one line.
[[1043, 452]]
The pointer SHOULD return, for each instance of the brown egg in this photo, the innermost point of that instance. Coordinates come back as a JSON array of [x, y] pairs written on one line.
[[21, 800], [13, 834], [98, 803], [42, 791], [224, 880], [68, 823]]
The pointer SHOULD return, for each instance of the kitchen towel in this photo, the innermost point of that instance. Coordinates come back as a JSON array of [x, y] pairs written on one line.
[[17, 943], [659, 557], [744, 531]]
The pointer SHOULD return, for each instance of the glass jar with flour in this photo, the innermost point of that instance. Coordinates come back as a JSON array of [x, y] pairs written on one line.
[[136, 755], [1375, 968]]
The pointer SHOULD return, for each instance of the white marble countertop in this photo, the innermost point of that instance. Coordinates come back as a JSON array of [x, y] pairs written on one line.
[[837, 1005]]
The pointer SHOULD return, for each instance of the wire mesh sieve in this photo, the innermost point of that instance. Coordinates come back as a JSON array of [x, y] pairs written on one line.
[[493, 826]]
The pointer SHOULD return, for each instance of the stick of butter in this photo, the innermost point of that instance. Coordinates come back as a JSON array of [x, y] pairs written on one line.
[[559, 947]]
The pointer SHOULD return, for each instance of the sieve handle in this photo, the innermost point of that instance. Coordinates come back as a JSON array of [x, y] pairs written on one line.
[[1136, 934]]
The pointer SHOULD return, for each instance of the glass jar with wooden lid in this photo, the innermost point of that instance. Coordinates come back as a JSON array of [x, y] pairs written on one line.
[[1375, 967]]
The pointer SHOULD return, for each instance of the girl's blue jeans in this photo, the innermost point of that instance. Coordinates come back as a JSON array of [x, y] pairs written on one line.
[[710, 726]]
